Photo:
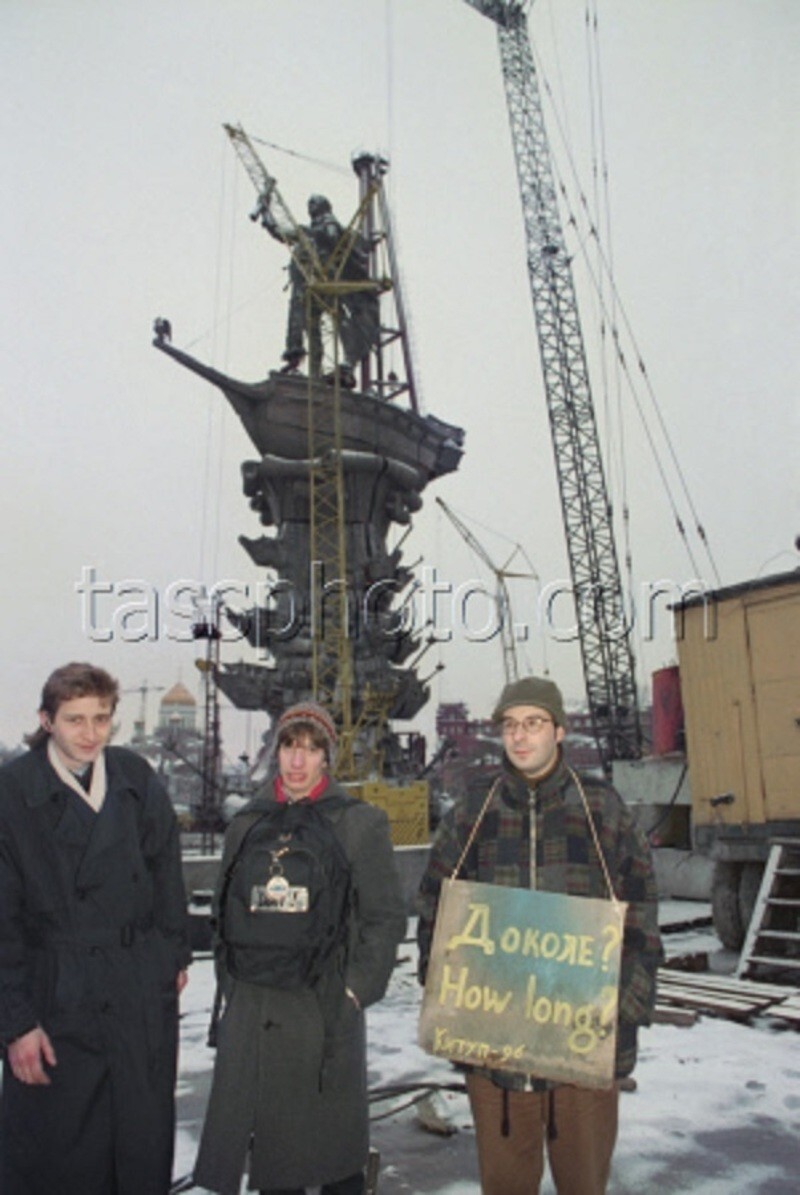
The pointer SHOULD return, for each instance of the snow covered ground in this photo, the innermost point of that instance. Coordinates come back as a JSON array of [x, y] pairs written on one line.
[[716, 1110]]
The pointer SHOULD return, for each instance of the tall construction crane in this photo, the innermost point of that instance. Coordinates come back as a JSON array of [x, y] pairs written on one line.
[[502, 596], [603, 630]]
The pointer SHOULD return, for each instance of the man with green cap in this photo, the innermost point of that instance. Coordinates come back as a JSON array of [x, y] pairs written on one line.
[[543, 828]]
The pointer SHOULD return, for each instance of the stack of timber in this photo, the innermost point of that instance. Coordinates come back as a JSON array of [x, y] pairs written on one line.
[[683, 995]]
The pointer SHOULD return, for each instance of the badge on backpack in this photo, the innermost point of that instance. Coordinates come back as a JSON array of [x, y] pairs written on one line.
[[278, 895]]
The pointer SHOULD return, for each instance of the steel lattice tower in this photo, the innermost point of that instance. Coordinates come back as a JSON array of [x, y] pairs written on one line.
[[604, 631]]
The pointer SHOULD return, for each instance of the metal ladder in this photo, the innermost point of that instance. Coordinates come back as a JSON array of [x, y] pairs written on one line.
[[773, 936]]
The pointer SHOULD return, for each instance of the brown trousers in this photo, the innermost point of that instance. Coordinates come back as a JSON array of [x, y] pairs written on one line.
[[576, 1125]]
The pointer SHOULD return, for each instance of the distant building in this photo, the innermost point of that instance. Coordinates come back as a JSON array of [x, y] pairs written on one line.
[[175, 747], [580, 745], [454, 724], [177, 710], [470, 749]]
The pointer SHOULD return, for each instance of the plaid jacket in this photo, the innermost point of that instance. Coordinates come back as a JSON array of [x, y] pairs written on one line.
[[567, 862]]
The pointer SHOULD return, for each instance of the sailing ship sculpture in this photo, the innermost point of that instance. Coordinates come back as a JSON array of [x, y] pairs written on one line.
[[340, 461]]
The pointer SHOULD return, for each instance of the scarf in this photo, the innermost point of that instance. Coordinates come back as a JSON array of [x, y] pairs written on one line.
[[97, 789], [281, 795]]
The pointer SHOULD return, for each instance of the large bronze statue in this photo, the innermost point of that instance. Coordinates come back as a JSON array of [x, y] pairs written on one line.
[[317, 252], [376, 453]]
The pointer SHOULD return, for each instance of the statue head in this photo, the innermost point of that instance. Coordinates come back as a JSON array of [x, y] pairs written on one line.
[[318, 205]]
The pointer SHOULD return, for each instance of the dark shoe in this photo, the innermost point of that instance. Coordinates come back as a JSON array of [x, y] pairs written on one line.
[[354, 1185], [292, 357]]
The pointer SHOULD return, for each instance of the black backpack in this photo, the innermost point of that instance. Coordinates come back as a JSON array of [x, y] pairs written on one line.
[[285, 898]]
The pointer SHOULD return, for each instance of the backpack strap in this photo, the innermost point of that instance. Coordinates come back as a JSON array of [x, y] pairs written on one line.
[[219, 992], [230, 869]]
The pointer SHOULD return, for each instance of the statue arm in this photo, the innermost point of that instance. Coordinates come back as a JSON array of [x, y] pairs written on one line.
[[265, 213]]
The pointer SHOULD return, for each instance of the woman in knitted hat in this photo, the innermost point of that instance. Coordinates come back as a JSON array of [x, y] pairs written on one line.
[[305, 747], [289, 1092]]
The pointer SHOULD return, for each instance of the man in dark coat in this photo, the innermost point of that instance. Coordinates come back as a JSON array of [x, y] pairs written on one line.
[[538, 826], [93, 955], [290, 1082]]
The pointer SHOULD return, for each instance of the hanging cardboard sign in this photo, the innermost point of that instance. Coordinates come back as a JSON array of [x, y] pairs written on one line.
[[524, 981]]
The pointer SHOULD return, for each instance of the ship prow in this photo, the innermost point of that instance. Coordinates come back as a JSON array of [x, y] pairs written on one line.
[[274, 413]]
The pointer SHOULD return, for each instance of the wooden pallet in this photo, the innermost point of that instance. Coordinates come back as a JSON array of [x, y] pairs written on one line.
[[723, 995], [670, 1014], [788, 1010]]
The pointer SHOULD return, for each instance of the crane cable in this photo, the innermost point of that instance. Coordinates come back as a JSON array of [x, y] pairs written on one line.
[[223, 313], [501, 574], [259, 296], [334, 167], [602, 205], [614, 456], [620, 355], [215, 423], [605, 270]]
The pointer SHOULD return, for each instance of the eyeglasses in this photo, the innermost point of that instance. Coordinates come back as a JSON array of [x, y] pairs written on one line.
[[532, 725]]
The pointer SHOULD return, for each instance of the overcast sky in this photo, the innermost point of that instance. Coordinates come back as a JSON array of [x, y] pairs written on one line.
[[123, 201]]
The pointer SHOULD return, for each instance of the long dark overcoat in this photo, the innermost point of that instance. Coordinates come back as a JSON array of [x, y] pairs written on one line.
[[297, 1097], [93, 932]]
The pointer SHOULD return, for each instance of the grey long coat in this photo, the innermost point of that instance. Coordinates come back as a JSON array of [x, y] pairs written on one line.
[[93, 932], [304, 1111]]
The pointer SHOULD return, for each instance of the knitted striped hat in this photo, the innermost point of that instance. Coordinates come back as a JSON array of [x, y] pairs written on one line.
[[303, 715]]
